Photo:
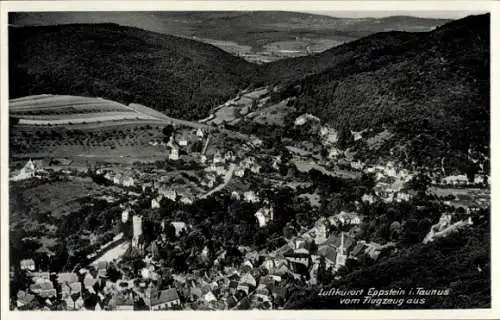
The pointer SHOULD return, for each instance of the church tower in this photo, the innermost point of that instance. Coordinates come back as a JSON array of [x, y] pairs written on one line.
[[341, 257]]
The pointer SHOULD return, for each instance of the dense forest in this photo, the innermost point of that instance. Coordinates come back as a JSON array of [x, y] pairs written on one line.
[[430, 88], [182, 78]]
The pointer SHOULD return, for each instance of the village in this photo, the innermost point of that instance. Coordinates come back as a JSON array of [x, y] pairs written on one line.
[[129, 273]]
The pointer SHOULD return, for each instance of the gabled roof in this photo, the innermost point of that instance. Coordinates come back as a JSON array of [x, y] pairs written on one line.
[[248, 279]]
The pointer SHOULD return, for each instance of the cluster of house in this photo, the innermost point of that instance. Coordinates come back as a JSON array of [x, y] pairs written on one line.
[[181, 140], [77, 290], [390, 182], [262, 281], [334, 238], [463, 181], [248, 196], [118, 178]]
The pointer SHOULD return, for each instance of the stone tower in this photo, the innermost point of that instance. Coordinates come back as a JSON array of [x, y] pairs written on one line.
[[137, 230]]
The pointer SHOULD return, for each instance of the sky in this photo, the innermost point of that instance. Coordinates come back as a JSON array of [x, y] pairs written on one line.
[[385, 13]]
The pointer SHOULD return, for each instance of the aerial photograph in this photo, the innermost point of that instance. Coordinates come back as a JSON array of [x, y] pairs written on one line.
[[248, 160]]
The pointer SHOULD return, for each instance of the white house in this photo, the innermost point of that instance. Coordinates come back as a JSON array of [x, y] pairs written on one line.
[[455, 180], [357, 135], [27, 264], [186, 200], [168, 193], [218, 158], [127, 181], [155, 202], [182, 141], [28, 171], [255, 168], [235, 195], [358, 165], [203, 159], [302, 119], [179, 227], [276, 163], [199, 133], [240, 172], [368, 198], [264, 215], [174, 154], [229, 156]]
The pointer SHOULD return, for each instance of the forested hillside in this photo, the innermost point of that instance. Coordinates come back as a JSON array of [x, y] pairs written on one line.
[[180, 77]]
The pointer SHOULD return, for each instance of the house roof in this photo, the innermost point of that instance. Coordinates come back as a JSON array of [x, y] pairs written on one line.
[[67, 277], [196, 292], [248, 279], [45, 285], [209, 296], [24, 298], [122, 300], [164, 296], [328, 252], [75, 287], [39, 275], [27, 262]]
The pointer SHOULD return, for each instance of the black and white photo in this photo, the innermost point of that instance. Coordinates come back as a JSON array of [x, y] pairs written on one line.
[[249, 160]]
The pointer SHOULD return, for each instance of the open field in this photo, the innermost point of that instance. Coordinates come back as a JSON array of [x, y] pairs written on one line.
[[308, 165], [68, 199], [60, 110], [302, 46], [130, 133], [62, 104]]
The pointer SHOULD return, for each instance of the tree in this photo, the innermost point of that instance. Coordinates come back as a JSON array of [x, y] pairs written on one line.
[[345, 138], [420, 182], [167, 132]]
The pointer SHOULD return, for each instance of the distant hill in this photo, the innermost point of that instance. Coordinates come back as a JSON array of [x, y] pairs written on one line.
[[180, 77], [432, 87], [245, 30]]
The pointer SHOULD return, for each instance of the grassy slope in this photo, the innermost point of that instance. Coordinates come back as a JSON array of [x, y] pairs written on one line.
[[179, 77]]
